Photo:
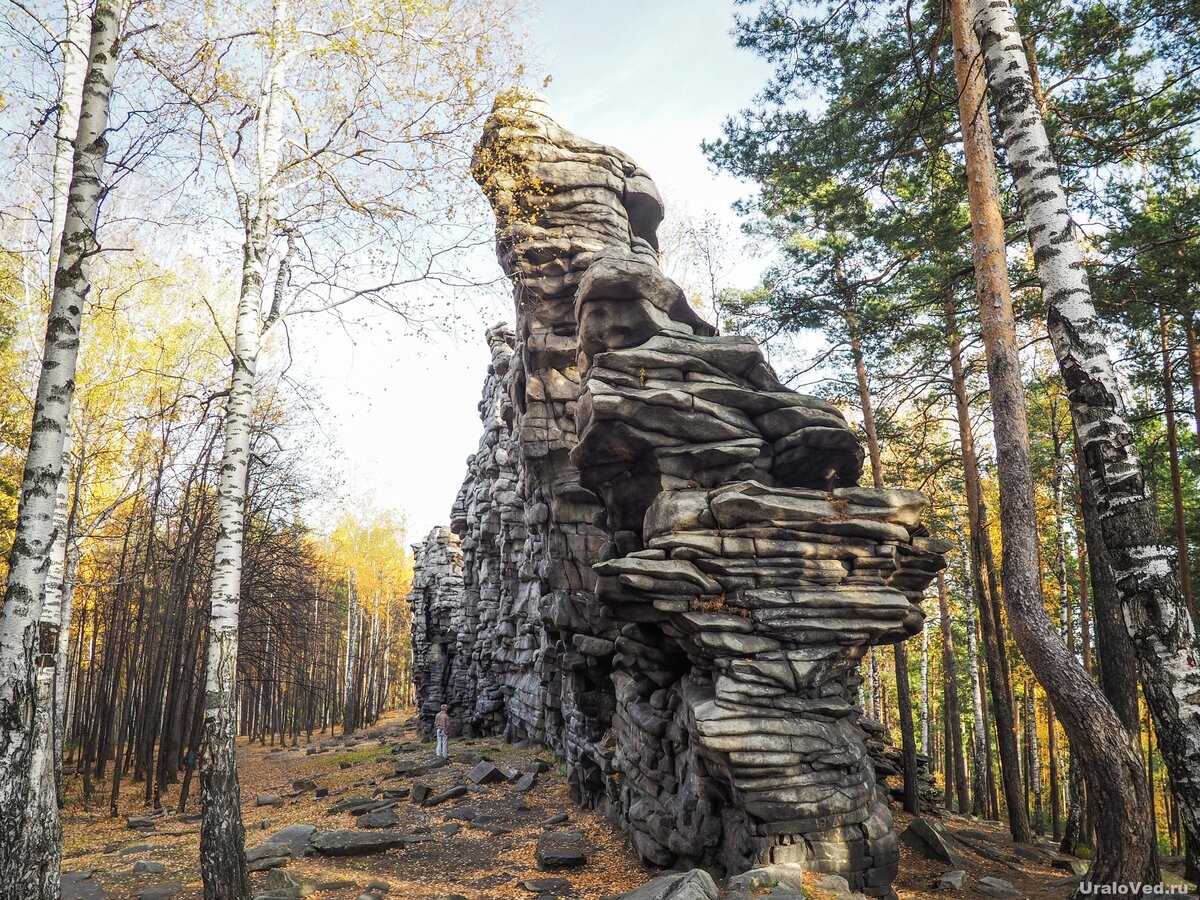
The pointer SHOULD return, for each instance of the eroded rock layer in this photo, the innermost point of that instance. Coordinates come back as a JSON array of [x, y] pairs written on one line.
[[668, 572]]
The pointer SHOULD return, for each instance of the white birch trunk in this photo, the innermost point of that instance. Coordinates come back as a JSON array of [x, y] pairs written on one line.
[[26, 644], [74, 49], [1035, 758], [62, 715], [222, 845], [1146, 568], [925, 687], [45, 836], [222, 835]]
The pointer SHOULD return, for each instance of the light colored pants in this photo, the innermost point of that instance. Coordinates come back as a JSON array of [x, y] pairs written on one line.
[[443, 743]]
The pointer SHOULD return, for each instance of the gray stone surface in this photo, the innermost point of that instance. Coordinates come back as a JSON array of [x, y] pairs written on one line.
[[380, 818], [997, 887], [294, 837], [359, 843], [160, 891], [933, 840], [950, 881], [80, 886], [694, 885], [1071, 864], [660, 565]]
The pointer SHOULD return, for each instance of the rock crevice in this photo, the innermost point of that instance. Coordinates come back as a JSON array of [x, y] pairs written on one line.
[[660, 563]]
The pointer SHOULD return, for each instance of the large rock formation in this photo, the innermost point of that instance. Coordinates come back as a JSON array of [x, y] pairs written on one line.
[[668, 572]]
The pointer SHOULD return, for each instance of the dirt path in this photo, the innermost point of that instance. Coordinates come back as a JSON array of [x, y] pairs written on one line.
[[480, 845]]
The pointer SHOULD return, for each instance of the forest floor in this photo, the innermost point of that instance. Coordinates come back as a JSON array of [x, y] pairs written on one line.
[[478, 846]]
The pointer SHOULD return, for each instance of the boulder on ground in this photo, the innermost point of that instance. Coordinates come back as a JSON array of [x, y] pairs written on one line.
[[950, 881], [560, 850], [694, 885], [931, 839], [1071, 864], [486, 773], [998, 887], [789, 877]]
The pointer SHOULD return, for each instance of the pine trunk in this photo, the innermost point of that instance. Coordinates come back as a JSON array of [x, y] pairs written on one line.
[[1144, 567]]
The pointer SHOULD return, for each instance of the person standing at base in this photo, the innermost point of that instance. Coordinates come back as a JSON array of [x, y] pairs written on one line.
[[441, 726]]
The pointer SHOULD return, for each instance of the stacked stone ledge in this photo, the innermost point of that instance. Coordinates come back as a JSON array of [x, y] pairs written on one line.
[[669, 573]]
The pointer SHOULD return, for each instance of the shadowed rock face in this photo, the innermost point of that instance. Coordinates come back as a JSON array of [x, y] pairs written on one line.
[[669, 574]]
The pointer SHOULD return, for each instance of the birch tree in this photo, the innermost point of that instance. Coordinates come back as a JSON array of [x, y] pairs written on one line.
[[1146, 567], [1096, 734], [337, 129], [28, 644]]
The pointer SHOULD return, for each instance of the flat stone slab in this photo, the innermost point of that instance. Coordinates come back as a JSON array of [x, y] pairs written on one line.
[[450, 793], [294, 838], [380, 818], [356, 805], [560, 850], [998, 887], [486, 773], [933, 840], [361, 843]]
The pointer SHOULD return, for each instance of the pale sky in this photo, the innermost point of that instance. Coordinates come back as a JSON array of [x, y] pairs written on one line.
[[651, 77]]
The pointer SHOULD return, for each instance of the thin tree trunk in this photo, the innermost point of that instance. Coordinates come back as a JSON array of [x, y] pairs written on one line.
[[925, 686], [1055, 779], [1193, 355], [1180, 521], [350, 707], [1144, 571], [1002, 705], [25, 645], [903, 692], [957, 771], [222, 835], [1035, 759]]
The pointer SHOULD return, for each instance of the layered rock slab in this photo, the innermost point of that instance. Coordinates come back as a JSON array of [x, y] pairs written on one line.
[[668, 571]]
